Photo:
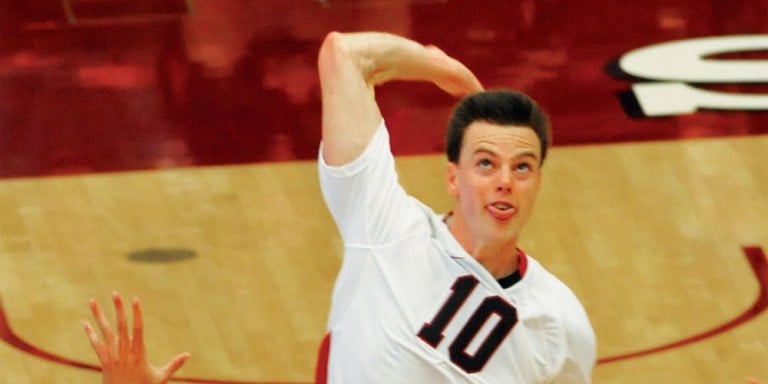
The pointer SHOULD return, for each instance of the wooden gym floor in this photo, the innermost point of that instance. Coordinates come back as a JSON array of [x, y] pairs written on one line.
[[165, 156]]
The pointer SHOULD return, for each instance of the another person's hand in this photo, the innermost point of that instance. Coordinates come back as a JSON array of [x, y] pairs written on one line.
[[122, 356]]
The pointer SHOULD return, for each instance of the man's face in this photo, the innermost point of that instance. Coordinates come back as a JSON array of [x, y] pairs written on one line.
[[496, 180]]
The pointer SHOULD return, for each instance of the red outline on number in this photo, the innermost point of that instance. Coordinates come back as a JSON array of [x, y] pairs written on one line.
[[755, 255]]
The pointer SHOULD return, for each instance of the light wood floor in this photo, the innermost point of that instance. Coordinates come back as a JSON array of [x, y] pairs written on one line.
[[649, 236]]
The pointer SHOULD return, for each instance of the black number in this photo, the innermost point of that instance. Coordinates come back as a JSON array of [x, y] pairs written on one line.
[[432, 332]]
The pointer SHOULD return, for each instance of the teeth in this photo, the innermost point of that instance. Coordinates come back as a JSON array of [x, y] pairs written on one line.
[[502, 206]]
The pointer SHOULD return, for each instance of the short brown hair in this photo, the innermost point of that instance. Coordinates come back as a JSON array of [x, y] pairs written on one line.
[[504, 107]]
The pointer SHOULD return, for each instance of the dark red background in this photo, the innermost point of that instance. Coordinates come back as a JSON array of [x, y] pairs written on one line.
[[111, 86]]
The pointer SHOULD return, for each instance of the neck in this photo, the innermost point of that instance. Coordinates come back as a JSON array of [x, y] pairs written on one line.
[[499, 257], [501, 260]]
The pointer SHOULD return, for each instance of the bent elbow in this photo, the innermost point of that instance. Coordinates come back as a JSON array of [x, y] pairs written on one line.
[[330, 50]]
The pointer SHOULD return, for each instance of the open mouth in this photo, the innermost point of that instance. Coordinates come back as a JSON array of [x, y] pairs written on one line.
[[502, 210]]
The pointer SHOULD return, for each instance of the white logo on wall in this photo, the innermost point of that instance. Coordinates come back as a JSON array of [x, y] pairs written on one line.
[[677, 64]]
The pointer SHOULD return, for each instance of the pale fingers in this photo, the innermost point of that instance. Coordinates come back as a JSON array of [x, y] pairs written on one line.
[[458, 79], [123, 341], [172, 366], [97, 345], [138, 328], [106, 329]]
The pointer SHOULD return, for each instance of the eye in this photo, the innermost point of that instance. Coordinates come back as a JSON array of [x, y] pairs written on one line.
[[524, 167], [485, 164]]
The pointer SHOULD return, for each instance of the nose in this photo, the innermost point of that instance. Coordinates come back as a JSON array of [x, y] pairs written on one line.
[[504, 183]]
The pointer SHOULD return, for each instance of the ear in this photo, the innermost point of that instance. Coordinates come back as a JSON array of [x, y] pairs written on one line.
[[452, 179]]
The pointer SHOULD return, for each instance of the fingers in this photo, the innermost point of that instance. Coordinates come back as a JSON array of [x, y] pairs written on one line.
[[465, 82], [97, 345], [176, 362], [123, 340], [460, 81], [123, 343], [138, 328], [124, 353], [106, 330]]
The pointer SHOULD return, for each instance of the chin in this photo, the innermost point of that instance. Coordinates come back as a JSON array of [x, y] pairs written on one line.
[[503, 234]]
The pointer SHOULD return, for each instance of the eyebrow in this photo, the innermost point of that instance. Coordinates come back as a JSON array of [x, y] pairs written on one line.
[[484, 150], [522, 154], [527, 153]]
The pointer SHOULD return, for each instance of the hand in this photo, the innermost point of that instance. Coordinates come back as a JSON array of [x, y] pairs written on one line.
[[123, 358], [461, 81], [383, 57]]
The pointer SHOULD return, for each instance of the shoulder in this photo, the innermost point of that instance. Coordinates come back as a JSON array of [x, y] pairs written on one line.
[[550, 289], [378, 146]]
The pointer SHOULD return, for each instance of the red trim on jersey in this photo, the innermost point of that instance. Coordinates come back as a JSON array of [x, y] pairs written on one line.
[[522, 264], [321, 370]]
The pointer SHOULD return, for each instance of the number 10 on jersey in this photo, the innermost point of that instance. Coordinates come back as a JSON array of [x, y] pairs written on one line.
[[432, 332]]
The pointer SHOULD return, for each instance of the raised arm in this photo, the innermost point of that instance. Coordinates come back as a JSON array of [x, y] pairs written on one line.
[[351, 64]]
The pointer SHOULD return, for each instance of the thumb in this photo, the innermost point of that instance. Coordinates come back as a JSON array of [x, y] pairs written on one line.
[[173, 365]]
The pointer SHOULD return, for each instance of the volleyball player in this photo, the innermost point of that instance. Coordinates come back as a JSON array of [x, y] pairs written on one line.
[[422, 297]]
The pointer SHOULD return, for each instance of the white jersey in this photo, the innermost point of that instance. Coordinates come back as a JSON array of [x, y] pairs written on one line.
[[411, 306]]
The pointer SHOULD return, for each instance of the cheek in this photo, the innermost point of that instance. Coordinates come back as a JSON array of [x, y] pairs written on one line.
[[472, 185], [529, 190], [475, 194]]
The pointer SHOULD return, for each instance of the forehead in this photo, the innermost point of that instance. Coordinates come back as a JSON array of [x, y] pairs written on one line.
[[500, 139]]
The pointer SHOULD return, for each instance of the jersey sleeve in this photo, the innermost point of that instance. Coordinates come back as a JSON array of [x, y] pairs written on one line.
[[364, 196]]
